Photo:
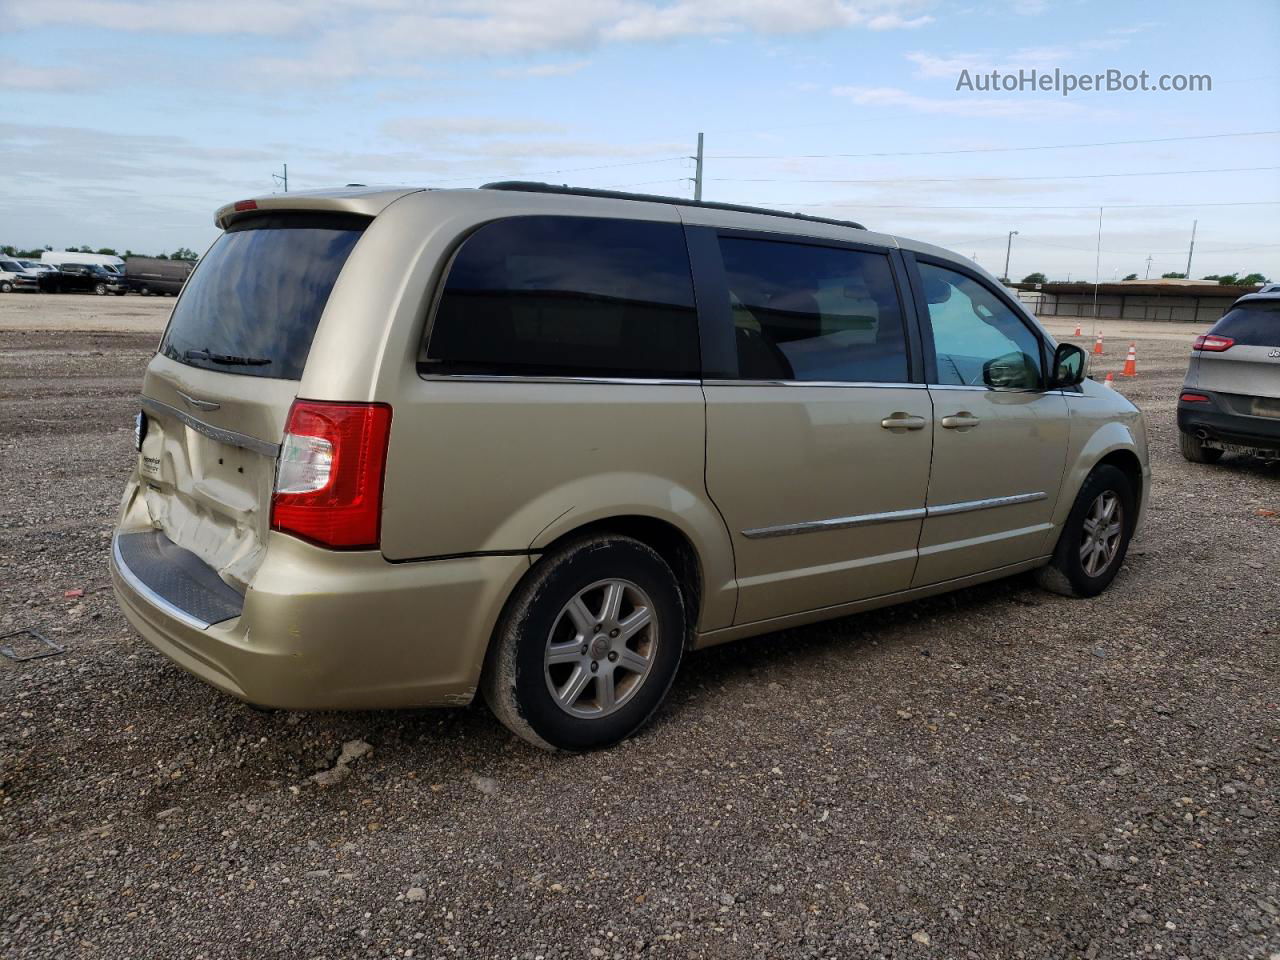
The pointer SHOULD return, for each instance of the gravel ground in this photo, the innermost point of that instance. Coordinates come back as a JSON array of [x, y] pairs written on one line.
[[997, 773]]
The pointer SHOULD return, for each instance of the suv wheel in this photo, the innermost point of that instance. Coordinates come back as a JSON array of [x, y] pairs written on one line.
[[1193, 449], [1095, 537], [588, 645], [100, 289], [6, 287]]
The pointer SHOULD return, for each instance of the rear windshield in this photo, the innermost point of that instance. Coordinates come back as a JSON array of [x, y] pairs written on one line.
[[1255, 324], [252, 305]]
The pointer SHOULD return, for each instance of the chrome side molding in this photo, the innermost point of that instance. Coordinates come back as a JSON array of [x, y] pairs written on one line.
[[964, 506], [891, 516], [835, 523]]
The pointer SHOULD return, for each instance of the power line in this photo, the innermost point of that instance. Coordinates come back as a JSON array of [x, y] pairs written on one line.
[[939, 153], [1078, 176], [1020, 206]]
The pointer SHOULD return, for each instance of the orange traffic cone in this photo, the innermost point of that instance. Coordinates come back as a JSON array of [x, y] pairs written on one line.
[[1078, 333], [1131, 362], [1109, 383], [1097, 344]]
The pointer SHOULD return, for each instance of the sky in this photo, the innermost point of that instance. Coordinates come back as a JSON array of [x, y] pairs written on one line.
[[138, 118]]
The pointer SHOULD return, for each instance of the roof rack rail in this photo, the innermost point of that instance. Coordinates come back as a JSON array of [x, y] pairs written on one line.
[[532, 186]]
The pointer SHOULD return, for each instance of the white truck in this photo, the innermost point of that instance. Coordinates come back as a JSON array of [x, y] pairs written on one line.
[[110, 263]]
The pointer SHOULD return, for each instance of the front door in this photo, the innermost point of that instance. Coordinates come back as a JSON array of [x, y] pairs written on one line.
[[999, 439], [818, 442]]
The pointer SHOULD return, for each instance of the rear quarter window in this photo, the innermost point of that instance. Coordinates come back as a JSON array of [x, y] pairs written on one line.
[[252, 305], [1254, 324], [569, 297]]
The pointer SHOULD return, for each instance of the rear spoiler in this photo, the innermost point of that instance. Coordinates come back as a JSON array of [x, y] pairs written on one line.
[[366, 202]]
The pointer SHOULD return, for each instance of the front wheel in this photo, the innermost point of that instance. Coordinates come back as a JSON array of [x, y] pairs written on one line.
[[100, 289], [588, 645], [1193, 449], [1095, 537], [6, 287]]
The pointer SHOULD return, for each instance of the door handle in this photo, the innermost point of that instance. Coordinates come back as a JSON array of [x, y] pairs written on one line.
[[902, 421], [960, 421]]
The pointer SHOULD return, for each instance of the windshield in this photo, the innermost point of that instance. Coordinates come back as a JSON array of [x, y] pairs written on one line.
[[252, 305]]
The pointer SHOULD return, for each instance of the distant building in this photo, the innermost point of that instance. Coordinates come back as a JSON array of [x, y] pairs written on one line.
[[1166, 299]]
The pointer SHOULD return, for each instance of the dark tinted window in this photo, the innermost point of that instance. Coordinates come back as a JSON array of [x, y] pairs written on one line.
[[805, 312], [1254, 324], [978, 339], [568, 296], [252, 305]]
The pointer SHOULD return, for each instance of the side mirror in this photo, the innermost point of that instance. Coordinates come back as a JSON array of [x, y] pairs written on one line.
[[1013, 371], [1069, 363]]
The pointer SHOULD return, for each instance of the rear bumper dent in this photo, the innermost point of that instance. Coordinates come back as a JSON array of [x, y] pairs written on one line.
[[332, 630]]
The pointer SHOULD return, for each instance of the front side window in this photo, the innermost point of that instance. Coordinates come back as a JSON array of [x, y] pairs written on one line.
[[568, 297], [979, 340], [812, 313]]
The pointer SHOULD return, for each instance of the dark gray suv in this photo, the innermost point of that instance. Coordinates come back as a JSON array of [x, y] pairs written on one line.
[[1230, 400]]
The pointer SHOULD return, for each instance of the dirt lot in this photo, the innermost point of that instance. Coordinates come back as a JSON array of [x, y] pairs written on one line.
[[998, 773]]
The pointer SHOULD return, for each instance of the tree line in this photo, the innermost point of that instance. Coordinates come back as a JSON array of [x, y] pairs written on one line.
[[1225, 279], [182, 253]]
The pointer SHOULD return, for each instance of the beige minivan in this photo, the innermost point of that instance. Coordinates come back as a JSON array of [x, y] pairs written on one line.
[[397, 446]]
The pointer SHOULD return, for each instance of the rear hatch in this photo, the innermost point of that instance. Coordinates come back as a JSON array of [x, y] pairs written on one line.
[[1239, 359], [217, 394]]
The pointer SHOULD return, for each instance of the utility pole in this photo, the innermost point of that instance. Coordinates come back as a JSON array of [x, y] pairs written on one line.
[[1008, 250], [1147, 275], [1191, 249], [697, 171], [1097, 274], [282, 178]]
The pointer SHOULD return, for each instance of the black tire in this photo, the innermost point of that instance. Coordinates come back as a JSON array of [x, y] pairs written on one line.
[[6, 287], [515, 681], [145, 291], [1194, 450], [100, 289], [1066, 572]]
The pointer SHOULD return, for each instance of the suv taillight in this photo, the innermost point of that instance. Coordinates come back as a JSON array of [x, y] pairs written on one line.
[[1213, 343], [329, 478]]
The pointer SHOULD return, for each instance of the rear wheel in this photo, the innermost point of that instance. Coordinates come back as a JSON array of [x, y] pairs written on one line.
[[1193, 449], [1095, 537], [588, 645]]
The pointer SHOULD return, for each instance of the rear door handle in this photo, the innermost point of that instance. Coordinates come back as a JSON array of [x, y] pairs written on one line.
[[902, 421], [960, 421]]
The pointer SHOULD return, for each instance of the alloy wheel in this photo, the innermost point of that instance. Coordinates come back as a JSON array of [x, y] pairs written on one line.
[[1103, 530], [601, 648]]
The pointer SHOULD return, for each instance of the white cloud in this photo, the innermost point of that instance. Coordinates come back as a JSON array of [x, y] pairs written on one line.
[[950, 65], [546, 69], [436, 129], [19, 77], [893, 21], [469, 27], [956, 106]]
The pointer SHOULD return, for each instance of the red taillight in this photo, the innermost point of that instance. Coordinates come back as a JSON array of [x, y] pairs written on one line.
[[1194, 398], [1213, 343], [329, 478], [246, 205]]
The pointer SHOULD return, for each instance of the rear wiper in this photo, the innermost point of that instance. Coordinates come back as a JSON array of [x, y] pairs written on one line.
[[224, 358]]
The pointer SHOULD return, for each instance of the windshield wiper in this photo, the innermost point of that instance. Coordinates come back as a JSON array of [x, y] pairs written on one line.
[[226, 359]]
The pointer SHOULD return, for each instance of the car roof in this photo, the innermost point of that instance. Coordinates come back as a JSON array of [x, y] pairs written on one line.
[[370, 201]]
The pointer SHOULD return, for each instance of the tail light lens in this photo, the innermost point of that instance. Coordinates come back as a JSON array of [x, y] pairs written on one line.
[[329, 478], [1213, 343], [1194, 398]]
